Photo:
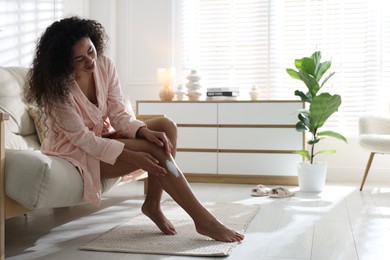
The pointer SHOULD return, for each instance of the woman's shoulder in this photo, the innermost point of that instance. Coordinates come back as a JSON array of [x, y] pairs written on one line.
[[106, 66], [105, 61]]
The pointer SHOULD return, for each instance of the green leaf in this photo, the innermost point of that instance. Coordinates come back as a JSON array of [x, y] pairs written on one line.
[[302, 95], [330, 151], [304, 153], [321, 108], [309, 97], [298, 64], [304, 111], [308, 66], [322, 68], [333, 134], [294, 74], [301, 127], [313, 141], [326, 79], [310, 82], [304, 118], [304, 121], [316, 57]]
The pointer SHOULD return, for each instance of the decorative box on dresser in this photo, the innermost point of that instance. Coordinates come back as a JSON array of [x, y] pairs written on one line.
[[234, 141]]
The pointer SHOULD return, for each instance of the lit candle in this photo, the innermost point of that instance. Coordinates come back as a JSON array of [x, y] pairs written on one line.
[[166, 77]]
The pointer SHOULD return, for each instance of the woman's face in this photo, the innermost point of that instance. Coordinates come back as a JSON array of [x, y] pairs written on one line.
[[84, 56]]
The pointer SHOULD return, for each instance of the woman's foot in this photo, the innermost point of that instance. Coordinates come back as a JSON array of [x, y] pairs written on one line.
[[156, 215], [218, 231]]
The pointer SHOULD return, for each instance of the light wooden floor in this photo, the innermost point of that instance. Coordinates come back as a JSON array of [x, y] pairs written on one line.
[[339, 223]]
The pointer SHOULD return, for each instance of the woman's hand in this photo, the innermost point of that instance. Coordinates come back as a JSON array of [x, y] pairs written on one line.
[[147, 162], [159, 138]]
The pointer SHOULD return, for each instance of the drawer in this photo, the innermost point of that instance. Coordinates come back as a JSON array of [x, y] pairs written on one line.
[[197, 137], [190, 162], [181, 113], [260, 138], [263, 113], [258, 164]]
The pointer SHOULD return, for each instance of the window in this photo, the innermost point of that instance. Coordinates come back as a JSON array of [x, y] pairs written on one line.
[[21, 23], [246, 42]]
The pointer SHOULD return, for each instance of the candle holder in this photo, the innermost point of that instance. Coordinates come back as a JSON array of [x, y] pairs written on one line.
[[166, 76]]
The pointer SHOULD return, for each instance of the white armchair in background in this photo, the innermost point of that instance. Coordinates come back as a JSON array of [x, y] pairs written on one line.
[[374, 136]]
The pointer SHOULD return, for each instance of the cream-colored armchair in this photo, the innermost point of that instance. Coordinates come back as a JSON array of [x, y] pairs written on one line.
[[30, 180], [374, 136]]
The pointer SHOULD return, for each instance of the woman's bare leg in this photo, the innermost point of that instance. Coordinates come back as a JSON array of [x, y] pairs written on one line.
[[176, 185], [151, 206], [179, 189]]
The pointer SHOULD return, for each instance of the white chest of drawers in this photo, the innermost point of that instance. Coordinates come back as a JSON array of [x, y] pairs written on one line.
[[234, 141]]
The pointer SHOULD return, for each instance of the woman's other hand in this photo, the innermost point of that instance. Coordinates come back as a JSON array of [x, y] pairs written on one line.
[[159, 138]]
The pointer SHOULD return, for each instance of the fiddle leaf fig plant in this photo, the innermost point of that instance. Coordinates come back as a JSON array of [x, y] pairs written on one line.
[[322, 105]]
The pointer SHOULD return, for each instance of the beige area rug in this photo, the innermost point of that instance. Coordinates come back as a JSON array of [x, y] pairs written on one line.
[[141, 235]]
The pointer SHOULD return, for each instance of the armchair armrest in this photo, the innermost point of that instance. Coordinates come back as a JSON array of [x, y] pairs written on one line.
[[3, 118]]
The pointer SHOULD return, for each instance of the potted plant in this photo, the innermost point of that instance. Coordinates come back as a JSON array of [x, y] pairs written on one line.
[[322, 105]]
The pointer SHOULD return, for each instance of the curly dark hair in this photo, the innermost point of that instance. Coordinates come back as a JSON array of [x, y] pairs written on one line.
[[52, 68]]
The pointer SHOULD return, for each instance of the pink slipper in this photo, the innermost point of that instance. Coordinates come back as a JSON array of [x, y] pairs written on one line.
[[280, 192], [260, 191]]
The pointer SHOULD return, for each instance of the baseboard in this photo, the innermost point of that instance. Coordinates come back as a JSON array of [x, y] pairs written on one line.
[[355, 175], [242, 179], [334, 175]]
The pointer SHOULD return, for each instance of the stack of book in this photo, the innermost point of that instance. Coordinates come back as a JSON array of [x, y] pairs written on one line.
[[223, 92]]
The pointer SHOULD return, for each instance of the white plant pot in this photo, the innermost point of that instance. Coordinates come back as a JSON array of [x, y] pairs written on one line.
[[311, 177]]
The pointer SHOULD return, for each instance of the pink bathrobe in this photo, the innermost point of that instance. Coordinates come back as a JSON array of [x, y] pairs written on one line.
[[76, 133]]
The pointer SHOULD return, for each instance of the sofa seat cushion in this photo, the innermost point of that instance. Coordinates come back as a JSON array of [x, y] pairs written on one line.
[[39, 181]]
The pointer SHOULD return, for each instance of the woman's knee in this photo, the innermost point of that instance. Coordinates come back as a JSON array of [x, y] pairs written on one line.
[[163, 124], [170, 125]]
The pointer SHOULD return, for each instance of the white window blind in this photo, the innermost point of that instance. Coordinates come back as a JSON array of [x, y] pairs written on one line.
[[239, 43], [21, 23], [226, 41]]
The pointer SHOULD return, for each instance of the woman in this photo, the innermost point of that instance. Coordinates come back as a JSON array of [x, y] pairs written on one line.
[[79, 90]]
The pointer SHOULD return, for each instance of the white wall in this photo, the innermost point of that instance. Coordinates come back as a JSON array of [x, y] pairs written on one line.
[[141, 40], [104, 11], [75, 7], [144, 43]]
